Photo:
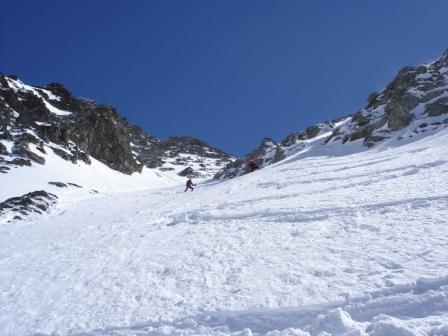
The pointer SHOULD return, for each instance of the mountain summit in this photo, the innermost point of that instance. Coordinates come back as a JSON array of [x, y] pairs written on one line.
[[415, 102], [35, 120]]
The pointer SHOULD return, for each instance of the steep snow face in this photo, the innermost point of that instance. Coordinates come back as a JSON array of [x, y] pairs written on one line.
[[415, 102], [81, 180], [331, 242]]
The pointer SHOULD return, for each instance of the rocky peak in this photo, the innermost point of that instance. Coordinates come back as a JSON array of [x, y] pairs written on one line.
[[416, 101], [179, 153], [38, 119], [270, 152], [415, 94]]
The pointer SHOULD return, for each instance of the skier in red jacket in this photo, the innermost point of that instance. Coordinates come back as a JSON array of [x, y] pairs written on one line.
[[189, 185], [252, 166]]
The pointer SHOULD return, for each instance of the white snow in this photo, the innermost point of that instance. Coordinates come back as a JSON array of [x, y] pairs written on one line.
[[40, 123], [95, 176], [207, 167], [17, 85], [331, 241], [55, 110], [342, 122], [416, 92], [423, 76]]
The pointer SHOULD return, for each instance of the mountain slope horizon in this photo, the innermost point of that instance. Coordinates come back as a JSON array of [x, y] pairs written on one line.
[[132, 148], [415, 101], [47, 135], [352, 243]]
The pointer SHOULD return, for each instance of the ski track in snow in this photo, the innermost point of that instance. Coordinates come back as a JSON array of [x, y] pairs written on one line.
[[348, 245]]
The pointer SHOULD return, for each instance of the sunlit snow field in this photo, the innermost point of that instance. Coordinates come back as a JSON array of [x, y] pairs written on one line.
[[352, 244]]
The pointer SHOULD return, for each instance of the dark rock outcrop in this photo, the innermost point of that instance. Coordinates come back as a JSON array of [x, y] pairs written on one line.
[[3, 150], [188, 172], [58, 184], [36, 202], [437, 109]]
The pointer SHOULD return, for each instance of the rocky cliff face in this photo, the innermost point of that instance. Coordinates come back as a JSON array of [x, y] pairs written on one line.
[[416, 98], [35, 120], [416, 101], [193, 157]]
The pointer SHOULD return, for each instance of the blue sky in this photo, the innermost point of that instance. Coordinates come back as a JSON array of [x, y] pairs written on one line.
[[228, 72]]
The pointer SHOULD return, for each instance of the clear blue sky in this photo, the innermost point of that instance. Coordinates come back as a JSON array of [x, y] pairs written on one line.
[[229, 72]]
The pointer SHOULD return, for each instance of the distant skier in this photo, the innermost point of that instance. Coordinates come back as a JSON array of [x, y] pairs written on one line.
[[189, 185], [252, 166]]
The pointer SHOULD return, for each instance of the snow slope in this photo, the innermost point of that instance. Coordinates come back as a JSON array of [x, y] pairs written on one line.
[[82, 180], [331, 241]]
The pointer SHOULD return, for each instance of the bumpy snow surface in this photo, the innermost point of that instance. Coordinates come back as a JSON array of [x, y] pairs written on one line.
[[319, 244]]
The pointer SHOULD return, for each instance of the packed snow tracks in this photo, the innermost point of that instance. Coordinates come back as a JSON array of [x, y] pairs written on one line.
[[339, 244]]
